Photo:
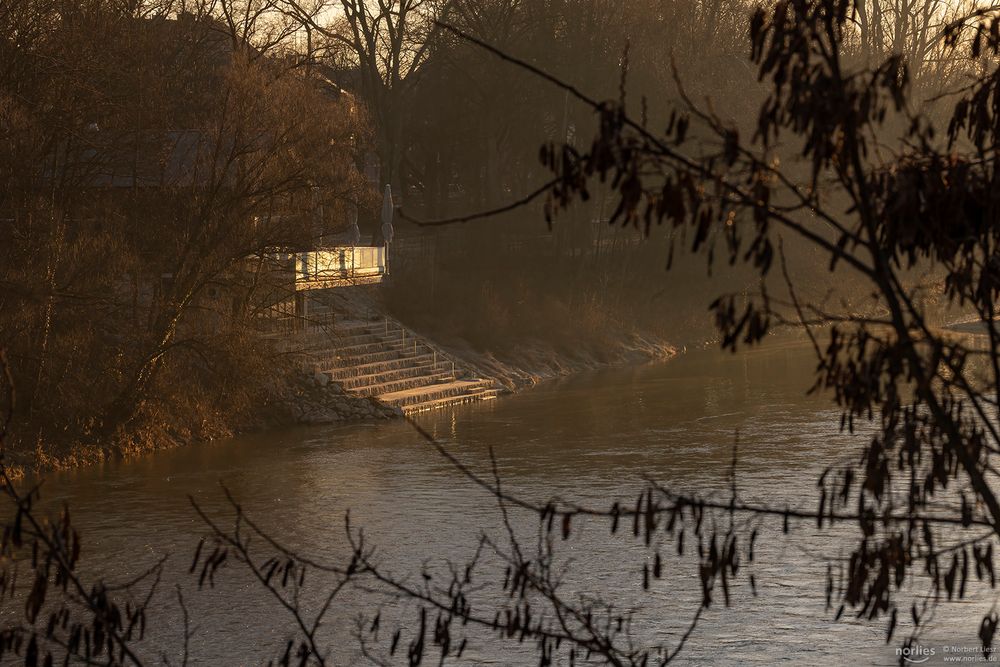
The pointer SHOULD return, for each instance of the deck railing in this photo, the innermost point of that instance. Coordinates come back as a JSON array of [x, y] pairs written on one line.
[[342, 265]]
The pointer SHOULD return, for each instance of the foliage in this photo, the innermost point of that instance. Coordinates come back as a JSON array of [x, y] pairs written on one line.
[[881, 212]]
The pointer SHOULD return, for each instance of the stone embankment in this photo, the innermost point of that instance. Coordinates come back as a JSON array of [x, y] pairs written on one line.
[[316, 400]]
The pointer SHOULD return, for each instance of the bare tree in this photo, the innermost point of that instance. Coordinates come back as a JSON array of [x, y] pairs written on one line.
[[141, 183]]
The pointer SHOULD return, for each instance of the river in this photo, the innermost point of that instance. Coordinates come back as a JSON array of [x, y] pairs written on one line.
[[590, 438]]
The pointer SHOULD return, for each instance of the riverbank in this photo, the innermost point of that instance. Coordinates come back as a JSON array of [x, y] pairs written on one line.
[[313, 399], [289, 395], [387, 362], [538, 361]]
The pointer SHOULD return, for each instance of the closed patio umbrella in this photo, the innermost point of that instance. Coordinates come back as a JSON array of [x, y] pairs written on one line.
[[387, 213], [353, 232]]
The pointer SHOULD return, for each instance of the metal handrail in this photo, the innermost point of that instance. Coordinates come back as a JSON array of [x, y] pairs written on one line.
[[418, 339]]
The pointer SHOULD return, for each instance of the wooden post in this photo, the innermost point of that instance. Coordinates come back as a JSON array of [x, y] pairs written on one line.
[[300, 310]]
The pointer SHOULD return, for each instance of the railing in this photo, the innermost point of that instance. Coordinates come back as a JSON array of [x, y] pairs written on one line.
[[343, 265], [282, 319], [408, 334]]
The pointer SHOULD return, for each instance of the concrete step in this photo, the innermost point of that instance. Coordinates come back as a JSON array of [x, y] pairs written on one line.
[[348, 327], [371, 346], [413, 383], [340, 331], [298, 341], [336, 362], [356, 382], [411, 344], [458, 399], [354, 339], [397, 338], [319, 342], [331, 358], [405, 397], [345, 372]]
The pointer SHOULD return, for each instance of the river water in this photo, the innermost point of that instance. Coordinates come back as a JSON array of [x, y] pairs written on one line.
[[591, 438]]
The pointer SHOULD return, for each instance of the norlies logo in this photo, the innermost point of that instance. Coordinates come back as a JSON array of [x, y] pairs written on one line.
[[915, 654]]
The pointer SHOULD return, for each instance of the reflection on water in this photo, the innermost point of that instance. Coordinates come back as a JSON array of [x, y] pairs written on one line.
[[591, 438]]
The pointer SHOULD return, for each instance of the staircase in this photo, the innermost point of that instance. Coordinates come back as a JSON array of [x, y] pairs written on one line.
[[385, 360]]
